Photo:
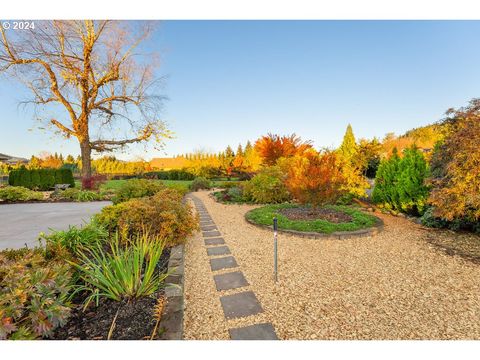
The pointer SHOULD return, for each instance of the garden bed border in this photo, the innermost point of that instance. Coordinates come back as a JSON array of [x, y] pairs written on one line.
[[338, 235], [171, 323]]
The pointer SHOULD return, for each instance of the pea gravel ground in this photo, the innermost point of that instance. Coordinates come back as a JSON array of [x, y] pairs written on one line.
[[394, 285]]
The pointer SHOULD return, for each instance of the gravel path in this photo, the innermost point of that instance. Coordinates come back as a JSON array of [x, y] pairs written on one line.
[[390, 286]]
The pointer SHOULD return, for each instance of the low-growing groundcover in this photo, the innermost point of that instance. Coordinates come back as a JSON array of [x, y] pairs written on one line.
[[264, 216], [46, 293], [232, 195], [19, 194]]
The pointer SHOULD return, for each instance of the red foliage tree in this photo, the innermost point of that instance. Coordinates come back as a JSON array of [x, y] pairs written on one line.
[[272, 147]]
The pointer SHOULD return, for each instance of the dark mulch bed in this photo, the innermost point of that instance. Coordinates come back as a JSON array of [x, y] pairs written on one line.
[[135, 320], [305, 213]]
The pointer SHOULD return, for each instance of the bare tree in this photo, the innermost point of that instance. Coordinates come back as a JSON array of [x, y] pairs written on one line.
[[89, 73]]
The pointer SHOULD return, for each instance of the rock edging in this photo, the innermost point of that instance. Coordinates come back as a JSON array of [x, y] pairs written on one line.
[[339, 235], [171, 323]]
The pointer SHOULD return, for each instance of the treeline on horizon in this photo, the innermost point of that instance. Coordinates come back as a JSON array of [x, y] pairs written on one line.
[[245, 160]]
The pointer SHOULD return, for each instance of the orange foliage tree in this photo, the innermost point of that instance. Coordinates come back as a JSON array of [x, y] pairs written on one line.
[[314, 178], [272, 147], [456, 166]]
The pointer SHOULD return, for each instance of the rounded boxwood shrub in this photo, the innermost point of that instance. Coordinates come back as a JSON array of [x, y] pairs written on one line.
[[137, 188], [200, 183], [267, 187]]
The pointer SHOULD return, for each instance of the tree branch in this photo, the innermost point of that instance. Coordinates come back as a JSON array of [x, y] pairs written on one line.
[[68, 132], [110, 145]]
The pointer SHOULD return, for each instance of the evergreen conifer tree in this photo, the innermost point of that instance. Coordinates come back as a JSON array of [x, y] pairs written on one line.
[[349, 146]]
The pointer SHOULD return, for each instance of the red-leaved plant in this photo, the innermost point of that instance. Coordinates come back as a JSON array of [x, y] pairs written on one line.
[[93, 182]]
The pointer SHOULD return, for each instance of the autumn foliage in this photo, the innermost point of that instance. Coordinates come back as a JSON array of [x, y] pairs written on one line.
[[272, 147], [456, 166], [314, 178]]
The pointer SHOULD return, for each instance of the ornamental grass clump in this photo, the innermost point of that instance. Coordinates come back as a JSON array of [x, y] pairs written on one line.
[[90, 235], [123, 272]]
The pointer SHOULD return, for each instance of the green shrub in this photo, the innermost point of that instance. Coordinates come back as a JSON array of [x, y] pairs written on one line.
[[231, 194], [181, 188], [40, 179], [229, 184], [80, 195], [18, 193], [35, 178], [122, 272], [400, 183], [110, 215], [200, 183], [170, 175], [88, 236], [386, 181], [34, 294], [25, 178], [429, 219], [47, 179], [67, 176], [345, 199], [163, 215], [137, 188], [267, 187]]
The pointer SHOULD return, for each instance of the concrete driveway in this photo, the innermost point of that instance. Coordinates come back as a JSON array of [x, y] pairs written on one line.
[[20, 224]]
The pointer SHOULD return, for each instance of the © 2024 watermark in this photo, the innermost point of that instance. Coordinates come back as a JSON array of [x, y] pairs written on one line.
[[18, 25]]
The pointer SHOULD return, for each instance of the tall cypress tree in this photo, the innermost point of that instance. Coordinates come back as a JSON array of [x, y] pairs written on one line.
[[386, 180], [349, 146]]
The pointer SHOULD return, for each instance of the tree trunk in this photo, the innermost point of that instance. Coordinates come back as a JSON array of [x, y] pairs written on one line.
[[86, 153]]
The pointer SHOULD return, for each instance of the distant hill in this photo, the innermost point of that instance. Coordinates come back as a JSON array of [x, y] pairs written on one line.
[[168, 163], [423, 137]]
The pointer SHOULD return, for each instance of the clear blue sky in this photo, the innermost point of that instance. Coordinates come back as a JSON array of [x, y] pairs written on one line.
[[230, 81]]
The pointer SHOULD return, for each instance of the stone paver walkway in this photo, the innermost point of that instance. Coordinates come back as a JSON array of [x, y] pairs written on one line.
[[241, 303]]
